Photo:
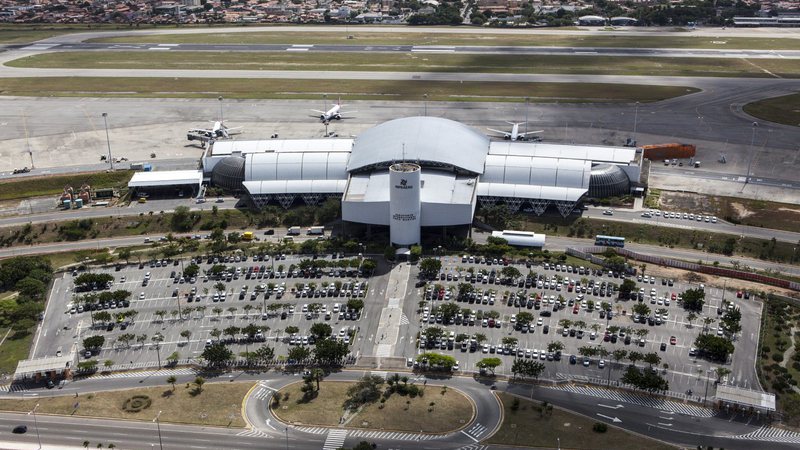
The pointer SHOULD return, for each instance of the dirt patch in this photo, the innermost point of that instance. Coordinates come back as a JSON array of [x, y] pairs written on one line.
[[686, 202], [718, 282], [741, 211]]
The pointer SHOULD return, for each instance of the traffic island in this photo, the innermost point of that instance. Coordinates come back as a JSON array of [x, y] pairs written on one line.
[[538, 425], [428, 409], [216, 404]]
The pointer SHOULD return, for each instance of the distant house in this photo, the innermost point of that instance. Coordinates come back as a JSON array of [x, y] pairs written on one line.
[[622, 21], [591, 20]]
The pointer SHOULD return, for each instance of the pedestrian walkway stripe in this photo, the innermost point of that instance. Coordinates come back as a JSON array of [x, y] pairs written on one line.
[[768, 433], [335, 439], [636, 399], [253, 433], [12, 388], [394, 436], [146, 373]]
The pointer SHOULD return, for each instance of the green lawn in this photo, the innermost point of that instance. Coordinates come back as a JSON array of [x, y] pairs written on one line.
[[485, 38], [14, 348], [779, 362], [531, 427], [25, 187], [412, 62], [785, 109], [346, 89]]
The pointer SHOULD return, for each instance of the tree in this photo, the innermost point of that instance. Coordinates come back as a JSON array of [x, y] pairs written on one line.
[[635, 356], [555, 346], [707, 321], [186, 334], [641, 309], [320, 330], [429, 267], [355, 304], [480, 338], [160, 313], [199, 382], [217, 354], [437, 361], [716, 348], [182, 219], [328, 351], [108, 363], [191, 270], [652, 359], [171, 380], [721, 372], [231, 331], [489, 363], [298, 354], [693, 299], [524, 318], [291, 329], [366, 390], [31, 288], [94, 342], [449, 310], [691, 318], [510, 273], [124, 253], [509, 341], [627, 286], [216, 333], [217, 310], [731, 321]]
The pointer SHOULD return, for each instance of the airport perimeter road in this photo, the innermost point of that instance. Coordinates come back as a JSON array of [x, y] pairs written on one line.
[[478, 50]]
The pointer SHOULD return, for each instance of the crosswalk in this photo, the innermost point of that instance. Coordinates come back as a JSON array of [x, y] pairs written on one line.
[[379, 373], [12, 388], [636, 399], [767, 433], [335, 439], [393, 436], [253, 433], [147, 373], [404, 320], [313, 430], [383, 350], [474, 447], [475, 431], [262, 393]]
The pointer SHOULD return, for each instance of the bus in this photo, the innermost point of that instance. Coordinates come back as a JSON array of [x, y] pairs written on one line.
[[609, 241]]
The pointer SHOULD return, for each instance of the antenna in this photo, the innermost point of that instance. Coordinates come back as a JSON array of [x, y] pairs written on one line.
[[404, 152]]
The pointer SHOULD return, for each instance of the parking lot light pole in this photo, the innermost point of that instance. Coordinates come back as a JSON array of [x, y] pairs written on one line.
[[158, 426], [705, 396], [108, 141], [287, 437], [36, 424]]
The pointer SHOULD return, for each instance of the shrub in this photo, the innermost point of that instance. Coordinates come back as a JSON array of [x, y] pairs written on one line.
[[137, 403], [777, 357], [599, 427], [515, 404]]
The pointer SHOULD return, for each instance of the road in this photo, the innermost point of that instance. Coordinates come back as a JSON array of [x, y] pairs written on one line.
[[441, 49], [656, 422]]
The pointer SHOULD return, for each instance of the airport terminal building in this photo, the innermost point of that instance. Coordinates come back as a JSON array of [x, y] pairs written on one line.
[[417, 172]]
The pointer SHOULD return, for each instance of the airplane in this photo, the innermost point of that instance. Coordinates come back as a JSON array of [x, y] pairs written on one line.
[[334, 113], [218, 131], [515, 134]]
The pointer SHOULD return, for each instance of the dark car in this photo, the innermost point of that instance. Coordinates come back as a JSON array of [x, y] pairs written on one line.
[[20, 429], [663, 346], [269, 232], [546, 329], [110, 327], [573, 359]]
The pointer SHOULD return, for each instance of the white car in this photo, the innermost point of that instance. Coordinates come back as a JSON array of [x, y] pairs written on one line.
[[601, 363], [141, 296]]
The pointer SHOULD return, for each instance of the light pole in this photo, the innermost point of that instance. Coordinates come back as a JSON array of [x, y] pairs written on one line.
[[158, 426], [287, 437], [108, 142], [635, 122], [221, 118], [36, 424], [705, 396], [527, 100], [425, 97], [752, 152]]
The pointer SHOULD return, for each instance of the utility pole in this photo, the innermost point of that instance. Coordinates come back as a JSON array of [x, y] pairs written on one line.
[[108, 142], [36, 424], [527, 100], [158, 426], [221, 118], [752, 152], [425, 99], [635, 122]]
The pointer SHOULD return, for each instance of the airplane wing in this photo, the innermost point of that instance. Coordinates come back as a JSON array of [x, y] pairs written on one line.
[[318, 111], [199, 130], [233, 128], [504, 133], [530, 132]]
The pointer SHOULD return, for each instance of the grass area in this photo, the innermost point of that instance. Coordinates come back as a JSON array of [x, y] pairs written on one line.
[[21, 34], [784, 109], [347, 89], [413, 62], [218, 401], [485, 38], [757, 213], [450, 410], [26, 187], [528, 426], [779, 362], [713, 243], [14, 348], [652, 199]]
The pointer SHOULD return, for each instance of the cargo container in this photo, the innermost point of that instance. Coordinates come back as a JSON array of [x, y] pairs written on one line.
[[668, 151]]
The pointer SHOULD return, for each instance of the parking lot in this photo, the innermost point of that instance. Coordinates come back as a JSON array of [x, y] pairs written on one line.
[[270, 293], [491, 310]]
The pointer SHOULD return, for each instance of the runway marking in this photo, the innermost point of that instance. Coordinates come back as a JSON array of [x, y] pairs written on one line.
[[159, 48]]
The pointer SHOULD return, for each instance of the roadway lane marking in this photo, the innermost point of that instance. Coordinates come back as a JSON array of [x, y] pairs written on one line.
[[467, 435]]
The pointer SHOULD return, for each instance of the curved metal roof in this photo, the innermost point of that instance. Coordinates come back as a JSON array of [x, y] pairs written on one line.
[[296, 166], [431, 140], [522, 170]]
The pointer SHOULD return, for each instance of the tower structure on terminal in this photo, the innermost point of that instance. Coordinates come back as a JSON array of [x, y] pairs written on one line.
[[404, 203]]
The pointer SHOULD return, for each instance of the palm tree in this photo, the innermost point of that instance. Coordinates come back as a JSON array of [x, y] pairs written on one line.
[[186, 334], [706, 322], [232, 310], [157, 339], [217, 310], [201, 310], [215, 333], [247, 308], [690, 318], [171, 380], [160, 313]]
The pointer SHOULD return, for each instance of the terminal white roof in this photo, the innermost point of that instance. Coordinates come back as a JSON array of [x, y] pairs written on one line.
[[229, 147], [296, 166], [594, 153], [166, 178], [429, 140], [295, 187], [525, 191], [526, 170], [435, 187], [29, 367]]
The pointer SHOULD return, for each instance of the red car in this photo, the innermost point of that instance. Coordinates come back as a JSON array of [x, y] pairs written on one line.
[[738, 294], [575, 310], [673, 340]]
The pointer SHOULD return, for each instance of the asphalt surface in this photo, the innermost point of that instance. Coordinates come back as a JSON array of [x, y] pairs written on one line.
[[477, 50]]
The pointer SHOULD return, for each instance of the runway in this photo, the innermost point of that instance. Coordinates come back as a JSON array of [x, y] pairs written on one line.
[[439, 49]]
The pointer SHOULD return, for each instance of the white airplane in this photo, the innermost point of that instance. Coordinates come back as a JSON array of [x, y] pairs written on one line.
[[218, 131], [334, 113], [515, 134]]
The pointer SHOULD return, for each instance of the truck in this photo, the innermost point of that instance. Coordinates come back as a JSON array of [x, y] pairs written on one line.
[[137, 166], [293, 231], [247, 236], [697, 164], [316, 231]]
